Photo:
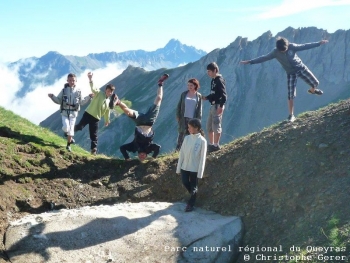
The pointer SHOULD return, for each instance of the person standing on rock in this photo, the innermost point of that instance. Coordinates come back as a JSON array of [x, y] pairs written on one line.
[[188, 107], [217, 99], [98, 108], [70, 100], [143, 137], [192, 158], [285, 53]]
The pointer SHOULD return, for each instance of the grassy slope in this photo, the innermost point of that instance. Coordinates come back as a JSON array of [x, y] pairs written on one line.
[[289, 182]]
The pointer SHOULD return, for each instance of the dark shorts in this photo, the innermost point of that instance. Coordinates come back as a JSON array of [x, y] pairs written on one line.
[[148, 118], [306, 75]]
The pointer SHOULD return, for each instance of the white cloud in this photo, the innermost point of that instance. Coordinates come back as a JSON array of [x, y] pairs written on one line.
[[29, 62], [182, 64], [103, 75], [290, 7], [10, 85], [36, 105]]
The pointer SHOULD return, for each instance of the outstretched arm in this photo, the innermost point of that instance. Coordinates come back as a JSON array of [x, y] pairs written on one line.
[[155, 148], [129, 112], [300, 47], [260, 59], [58, 99], [125, 148], [93, 90], [86, 99]]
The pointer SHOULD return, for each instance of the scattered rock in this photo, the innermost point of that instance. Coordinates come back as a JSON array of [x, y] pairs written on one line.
[[322, 145]]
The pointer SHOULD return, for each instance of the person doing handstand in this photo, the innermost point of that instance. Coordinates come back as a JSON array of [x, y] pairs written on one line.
[[144, 133]]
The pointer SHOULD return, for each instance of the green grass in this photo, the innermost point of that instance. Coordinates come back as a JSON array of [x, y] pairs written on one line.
[[304, 115], [26, 148], [169, 156], [338, 238], [38, 139]]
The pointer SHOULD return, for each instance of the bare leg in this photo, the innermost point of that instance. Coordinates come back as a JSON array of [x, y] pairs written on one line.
[[291, 106], [159, 97], [211, 137], [217, 137]]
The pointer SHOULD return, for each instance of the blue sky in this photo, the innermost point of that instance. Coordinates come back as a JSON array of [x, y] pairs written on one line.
[[77, 27], [31, 28]]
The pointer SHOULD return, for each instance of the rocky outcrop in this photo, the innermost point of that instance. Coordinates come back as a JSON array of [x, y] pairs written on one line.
[[126, 232]]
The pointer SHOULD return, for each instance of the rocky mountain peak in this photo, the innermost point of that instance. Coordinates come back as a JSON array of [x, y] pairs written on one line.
[[35, 70], [173, 43]]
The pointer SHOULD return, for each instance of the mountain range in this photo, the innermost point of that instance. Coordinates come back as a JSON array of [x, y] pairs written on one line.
[[52, 66], [257, 94]]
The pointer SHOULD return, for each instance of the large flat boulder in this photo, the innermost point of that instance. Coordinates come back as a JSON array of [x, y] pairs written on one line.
[[126, 232]]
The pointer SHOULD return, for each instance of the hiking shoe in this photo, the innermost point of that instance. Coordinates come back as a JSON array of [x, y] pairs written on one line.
[[94, 151], [316, 92], [210, 148], [162, 79], [189, 208], [215, 148], [291, 118], [72, 141], [69, 149]]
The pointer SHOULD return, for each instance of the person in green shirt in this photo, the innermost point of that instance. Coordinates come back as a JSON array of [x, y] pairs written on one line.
[[98, 108]]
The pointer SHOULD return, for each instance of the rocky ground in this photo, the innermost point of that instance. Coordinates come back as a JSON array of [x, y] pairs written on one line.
[[289, 182]]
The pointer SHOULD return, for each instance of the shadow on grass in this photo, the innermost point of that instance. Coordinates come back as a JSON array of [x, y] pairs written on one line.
[[24, 138]]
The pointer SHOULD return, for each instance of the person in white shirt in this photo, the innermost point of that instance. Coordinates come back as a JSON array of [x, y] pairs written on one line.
[[192, 158]]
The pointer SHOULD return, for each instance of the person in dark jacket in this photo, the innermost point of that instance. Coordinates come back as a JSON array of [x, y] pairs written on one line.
[[143, 137], [188, 107], [285, 53], [217, 98]]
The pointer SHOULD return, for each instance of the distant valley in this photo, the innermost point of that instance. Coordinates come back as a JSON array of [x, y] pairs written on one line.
[[52, 66]]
